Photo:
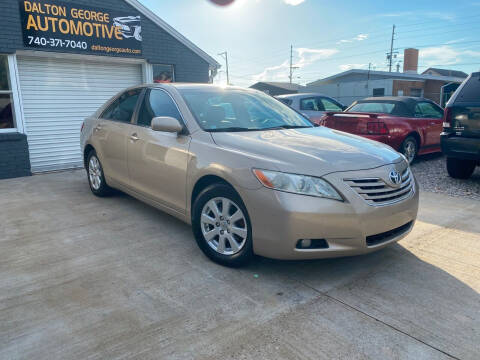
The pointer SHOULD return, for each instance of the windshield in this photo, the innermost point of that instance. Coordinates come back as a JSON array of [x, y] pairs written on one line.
[[373, 107], [219, 110]]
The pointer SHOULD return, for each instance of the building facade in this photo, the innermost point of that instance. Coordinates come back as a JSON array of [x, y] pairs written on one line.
[[357, 84], [61, 60]]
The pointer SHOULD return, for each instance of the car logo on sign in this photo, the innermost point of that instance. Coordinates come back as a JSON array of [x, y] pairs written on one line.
[[395, 177]]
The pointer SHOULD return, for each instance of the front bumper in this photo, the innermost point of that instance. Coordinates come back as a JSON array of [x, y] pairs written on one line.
[[279, 220]]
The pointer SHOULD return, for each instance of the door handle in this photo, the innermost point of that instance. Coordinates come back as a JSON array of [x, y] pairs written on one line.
[[98, 128], [134, 137], [433, 123]]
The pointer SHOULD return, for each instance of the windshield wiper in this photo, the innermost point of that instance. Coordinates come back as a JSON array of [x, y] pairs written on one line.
[[283, 127], [231, 129]]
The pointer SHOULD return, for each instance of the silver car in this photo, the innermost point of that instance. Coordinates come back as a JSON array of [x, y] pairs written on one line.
[[311, 105], [249, 174]]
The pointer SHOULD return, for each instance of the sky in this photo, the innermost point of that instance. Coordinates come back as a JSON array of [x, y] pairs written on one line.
[[328, 37]]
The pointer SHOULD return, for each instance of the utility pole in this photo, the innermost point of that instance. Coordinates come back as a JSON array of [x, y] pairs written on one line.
[[390, 56], [291, 64], [225, 56], [368, 76]]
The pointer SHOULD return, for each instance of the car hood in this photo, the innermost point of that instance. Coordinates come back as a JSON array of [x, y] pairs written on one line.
[[311, 151]]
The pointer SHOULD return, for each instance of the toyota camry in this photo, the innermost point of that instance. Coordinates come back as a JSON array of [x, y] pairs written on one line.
[[251, 175]]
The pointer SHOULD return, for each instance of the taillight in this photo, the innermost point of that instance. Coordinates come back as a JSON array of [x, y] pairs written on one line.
[[447, 118], [377, 128], [83, 125]]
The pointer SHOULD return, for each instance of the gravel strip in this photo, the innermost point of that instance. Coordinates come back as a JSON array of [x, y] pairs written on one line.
[[431, 173]]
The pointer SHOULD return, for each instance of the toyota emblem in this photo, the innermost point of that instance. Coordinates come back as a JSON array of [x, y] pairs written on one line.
[[395, 177]]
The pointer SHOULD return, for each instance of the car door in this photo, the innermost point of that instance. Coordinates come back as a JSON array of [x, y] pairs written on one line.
[[432, 117], [157, 161], [111, 134]]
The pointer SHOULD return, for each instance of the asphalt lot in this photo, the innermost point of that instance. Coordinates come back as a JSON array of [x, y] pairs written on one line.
[[82, 277]]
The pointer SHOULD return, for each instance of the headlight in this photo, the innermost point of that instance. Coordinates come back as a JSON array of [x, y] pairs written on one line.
[[298, 184]]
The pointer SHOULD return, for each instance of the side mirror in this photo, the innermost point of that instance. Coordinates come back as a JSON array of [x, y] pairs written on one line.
[[166, 124]]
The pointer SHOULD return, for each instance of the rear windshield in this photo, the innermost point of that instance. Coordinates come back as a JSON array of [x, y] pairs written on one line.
[[471, 90], [373, 107]]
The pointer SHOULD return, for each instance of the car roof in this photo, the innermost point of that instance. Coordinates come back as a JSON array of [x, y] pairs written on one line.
[[300, 95]]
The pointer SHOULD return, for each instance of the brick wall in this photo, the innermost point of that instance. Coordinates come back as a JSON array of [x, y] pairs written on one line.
[[158, 45], [14, 158]]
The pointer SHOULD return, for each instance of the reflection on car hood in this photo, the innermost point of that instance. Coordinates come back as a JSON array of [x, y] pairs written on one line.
[[312, 151]]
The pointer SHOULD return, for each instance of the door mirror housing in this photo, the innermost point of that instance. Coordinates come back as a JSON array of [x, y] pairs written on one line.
[[166, 124]]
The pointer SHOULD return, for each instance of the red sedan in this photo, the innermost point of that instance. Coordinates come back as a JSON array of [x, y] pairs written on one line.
[[410, 125]]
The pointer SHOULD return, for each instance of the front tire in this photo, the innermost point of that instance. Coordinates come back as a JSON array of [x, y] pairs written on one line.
[[221, 226], [460, 169], [409, 149], [96, 177]]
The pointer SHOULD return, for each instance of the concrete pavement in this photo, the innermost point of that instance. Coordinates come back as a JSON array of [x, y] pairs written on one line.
[[82, 277]]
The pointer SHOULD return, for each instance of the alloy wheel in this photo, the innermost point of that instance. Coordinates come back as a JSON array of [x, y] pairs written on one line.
[[410, 150], [224, 226], [95, 173]]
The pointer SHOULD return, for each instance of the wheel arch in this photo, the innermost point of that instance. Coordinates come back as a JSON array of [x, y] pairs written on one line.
[[86, 151], [417, 138], [205, 181]]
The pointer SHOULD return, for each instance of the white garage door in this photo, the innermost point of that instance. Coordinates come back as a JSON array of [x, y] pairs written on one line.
[[57, 95]]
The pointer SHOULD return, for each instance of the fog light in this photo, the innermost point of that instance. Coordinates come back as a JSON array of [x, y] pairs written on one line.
[[305, 243]]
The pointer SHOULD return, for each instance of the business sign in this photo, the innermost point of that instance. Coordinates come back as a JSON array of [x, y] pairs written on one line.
[[53, 25]]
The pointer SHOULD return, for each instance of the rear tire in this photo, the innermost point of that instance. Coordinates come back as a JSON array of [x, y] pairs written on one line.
[[409, 149], [96, 177], [218, 210], [460, 169]]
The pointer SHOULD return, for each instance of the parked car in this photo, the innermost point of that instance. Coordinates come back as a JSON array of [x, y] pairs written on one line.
[[460, 138], [410, 125], [249, 174], [313, 106]]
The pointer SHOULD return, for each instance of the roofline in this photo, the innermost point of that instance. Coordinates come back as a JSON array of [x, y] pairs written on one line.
[[157, 20], [393, 75]]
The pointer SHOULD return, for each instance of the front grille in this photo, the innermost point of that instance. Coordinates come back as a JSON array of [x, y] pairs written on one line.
[[378, 239], [376, 191]]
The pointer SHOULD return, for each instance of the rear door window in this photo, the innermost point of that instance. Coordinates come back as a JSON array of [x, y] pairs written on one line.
[[122, 109]]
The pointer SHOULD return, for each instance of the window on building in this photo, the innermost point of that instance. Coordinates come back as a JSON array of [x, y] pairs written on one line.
[[163, 73], [122, 109], [379, 92], [157, 103], [416, 92], [7, 114]]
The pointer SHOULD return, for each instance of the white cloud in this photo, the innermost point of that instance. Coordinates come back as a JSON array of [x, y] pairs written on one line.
[[306, 57], [445, 55], [345, 67], [359, 37], [293, 2]]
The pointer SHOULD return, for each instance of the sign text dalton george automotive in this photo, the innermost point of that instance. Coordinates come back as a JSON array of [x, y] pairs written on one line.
[[75, 28]]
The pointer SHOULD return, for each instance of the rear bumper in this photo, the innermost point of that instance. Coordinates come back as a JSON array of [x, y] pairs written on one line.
[[460, 147]]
